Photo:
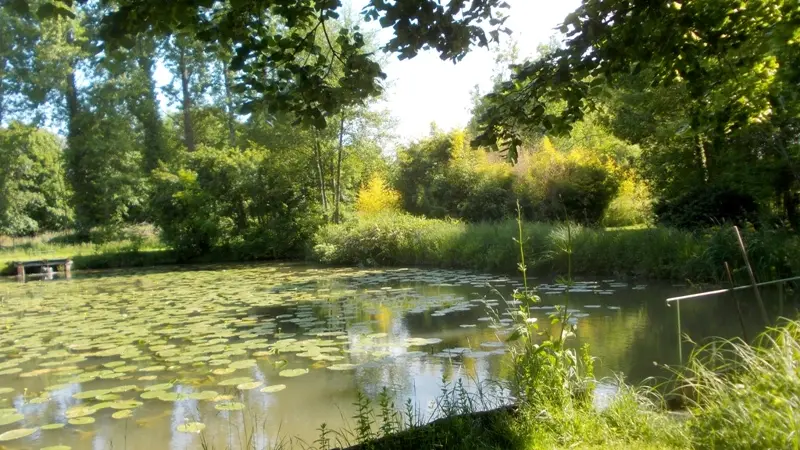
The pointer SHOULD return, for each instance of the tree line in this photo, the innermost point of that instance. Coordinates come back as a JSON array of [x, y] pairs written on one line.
[[683, 113]]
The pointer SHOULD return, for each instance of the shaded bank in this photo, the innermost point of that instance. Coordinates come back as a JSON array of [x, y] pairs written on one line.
[[655, 253]]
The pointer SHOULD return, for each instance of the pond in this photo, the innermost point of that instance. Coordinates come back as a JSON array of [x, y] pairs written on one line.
[[217, 356]]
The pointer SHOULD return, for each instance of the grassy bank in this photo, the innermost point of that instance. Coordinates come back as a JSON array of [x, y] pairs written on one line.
[[658, 253], [130, 247]]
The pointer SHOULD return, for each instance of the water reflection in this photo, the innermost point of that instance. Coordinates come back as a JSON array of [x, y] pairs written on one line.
[[405, 330]]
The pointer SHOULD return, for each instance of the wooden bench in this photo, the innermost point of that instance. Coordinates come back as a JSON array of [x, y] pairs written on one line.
[[44, 265]]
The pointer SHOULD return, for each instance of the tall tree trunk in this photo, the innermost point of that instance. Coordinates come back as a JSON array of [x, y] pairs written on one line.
[[73, 104], [229, 105], [318, 157], [147, 113], [337, 200], [2, 90], [188, 131]]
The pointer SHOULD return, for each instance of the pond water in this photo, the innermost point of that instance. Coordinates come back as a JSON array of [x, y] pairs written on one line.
[[138, 359]]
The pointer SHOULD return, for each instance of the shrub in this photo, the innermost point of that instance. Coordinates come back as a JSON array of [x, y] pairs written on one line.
[[251, 202], [377, 196], [707, 205]]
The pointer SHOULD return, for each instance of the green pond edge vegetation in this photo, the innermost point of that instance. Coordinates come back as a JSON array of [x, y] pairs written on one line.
[[395, 239]]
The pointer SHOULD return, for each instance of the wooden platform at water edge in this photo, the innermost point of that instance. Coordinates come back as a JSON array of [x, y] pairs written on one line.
[[45, 266]]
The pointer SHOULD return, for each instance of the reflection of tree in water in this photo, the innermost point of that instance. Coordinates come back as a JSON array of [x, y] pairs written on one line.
[[634, 341]]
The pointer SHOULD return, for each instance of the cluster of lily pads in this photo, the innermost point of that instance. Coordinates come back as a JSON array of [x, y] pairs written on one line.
[[110, 344]]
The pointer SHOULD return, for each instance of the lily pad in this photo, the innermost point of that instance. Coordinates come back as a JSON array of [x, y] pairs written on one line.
[[249, 386], [204, 395], [159, 387], [235, 381], [273, 388], [191, 427], [124, 414], [290, 373], [6, 419], [17, 434], [52, 426], [342, 367], [57, 447], [229, 406], [6, 390], [81, 421]]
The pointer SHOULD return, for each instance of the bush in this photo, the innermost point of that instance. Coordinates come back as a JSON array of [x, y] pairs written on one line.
[[250, 202], [707, 205], [377, 196], [442, 177]]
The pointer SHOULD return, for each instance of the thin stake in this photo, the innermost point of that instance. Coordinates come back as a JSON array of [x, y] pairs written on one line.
[[680, 340], [752, 276], [735, 299]]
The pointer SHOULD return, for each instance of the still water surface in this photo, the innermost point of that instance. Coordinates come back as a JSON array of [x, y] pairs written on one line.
[[126, 359]]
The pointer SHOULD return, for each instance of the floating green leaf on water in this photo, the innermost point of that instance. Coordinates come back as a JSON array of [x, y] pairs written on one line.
[[79, 411], [16, 434], [159, 387], [273, 388], [81, 421], [126, 404], [342, 367], [290, 373], [204, 395], [52, 426], [191, 427], [153, 369], [244, 364], [249, 386], [6, 390], [229, 406], [235, 381], [224, 371], [6, 419], [57, 447], [148, 378], [124, 414]]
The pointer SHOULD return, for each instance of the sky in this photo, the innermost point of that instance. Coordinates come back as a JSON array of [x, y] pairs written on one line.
[[426, 89]]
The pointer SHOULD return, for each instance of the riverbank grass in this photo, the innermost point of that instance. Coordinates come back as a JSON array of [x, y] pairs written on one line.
[[396, 239]]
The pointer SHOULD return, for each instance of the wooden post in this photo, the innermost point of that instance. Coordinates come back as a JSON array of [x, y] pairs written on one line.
[[20, 272], [68, 268], [753, 281]]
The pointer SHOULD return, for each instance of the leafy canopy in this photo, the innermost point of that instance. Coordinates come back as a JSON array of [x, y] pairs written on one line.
[[276, 51], [737, 60]]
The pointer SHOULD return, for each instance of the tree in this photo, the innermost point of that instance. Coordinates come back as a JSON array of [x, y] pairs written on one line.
[[272, 45], [734, 63], [32, 182]]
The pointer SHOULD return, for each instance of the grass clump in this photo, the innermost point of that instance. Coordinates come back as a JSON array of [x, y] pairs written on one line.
[[746, 396], [395, 239]]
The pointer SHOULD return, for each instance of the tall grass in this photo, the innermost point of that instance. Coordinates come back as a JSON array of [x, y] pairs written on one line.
[[746, 396], [659, 253]]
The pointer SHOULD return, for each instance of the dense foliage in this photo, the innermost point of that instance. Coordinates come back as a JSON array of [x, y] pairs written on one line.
[[707, 88], [442, 177], [34, 194], [245, 200]]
